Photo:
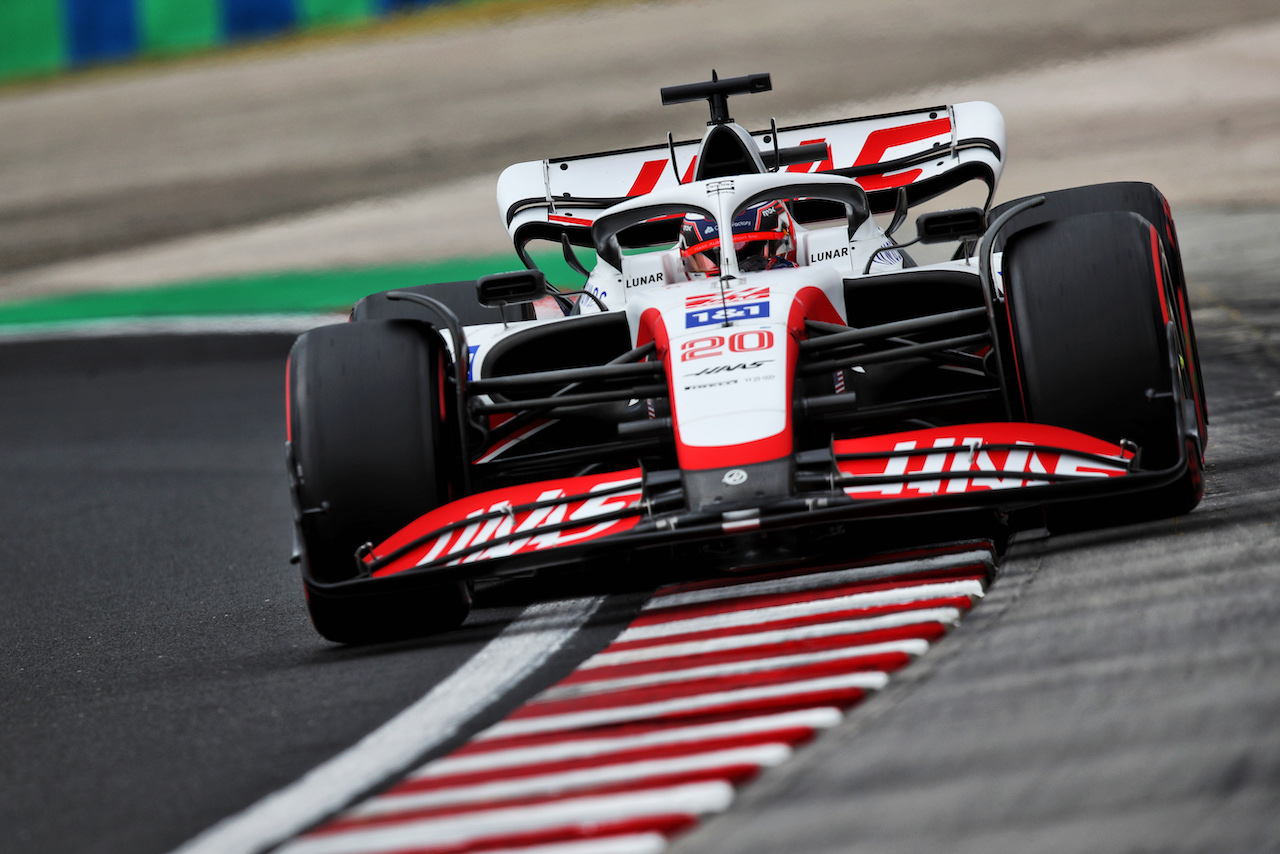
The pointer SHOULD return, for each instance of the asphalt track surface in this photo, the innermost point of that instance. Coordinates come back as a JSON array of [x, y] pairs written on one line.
[[161, 673], [1118, 690]]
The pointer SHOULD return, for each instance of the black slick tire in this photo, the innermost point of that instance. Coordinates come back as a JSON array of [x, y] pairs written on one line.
[[369, 429], [1089, 301]]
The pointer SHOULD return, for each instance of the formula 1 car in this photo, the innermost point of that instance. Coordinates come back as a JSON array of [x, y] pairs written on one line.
[[753, 366]]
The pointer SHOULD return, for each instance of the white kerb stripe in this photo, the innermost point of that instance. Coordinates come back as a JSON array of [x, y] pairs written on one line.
[[817, 580], [516, 652], [946, 616], [869, 681], [515, 757], [763, 755], [696, 799], [913, 647], [770, 613], [636, 843]]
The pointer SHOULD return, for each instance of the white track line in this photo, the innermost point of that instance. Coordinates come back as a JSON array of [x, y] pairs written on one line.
[[762, 755], [515, 653], [817, 580], [515, 757], [946, 616], [771, 613], [866, 680], [913, 647], [695, 799]]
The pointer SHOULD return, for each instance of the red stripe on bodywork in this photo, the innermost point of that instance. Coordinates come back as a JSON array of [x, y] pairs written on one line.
[[880, 141], [688, 173], [650, 172], [571, 220]]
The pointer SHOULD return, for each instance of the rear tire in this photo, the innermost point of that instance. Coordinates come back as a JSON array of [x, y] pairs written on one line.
[[368, 425], [1088, 302]]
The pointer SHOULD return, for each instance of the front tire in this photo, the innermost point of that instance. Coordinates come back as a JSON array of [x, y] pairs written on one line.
[[368, 432], [1090, 306]]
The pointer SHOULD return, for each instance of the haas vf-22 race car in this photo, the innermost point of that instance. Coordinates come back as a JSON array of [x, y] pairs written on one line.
[[753, 366]]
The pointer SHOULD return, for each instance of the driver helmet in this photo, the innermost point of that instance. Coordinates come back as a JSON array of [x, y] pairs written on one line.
[[763, 239]]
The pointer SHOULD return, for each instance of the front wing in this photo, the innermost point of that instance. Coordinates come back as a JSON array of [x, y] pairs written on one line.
[[562, 523]]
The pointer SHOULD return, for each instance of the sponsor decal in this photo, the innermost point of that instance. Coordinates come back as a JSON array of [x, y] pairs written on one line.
[[951, 450], [641, 281], [496, 518], [727, 296], [734, 477], [722, 369], [738, 311], [472, 349], [888, 256], [718, 188], [748, 341], [828, 255]]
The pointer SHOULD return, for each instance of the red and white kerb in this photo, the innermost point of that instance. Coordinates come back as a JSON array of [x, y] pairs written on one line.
[[711, 684]]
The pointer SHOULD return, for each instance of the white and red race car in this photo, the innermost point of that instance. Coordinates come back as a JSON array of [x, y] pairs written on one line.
[[753, 367]]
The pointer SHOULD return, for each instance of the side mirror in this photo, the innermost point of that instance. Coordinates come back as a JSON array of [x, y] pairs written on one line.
[[946, 226], [505, 288]]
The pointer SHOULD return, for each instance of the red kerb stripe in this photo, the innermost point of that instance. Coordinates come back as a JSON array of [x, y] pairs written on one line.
[[884, 661], [615, 731], [674, 690], [735, 774], [922, 631], [792, 737]]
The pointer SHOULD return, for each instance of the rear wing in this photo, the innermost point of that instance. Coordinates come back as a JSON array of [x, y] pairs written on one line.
[[928, 152]]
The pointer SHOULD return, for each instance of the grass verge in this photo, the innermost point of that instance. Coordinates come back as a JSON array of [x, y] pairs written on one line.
[[302, 292]]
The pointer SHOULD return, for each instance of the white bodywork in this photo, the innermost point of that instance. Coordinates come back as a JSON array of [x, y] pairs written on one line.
[[730, 342]]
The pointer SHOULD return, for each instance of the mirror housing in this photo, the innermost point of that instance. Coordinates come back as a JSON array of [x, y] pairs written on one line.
[[502, 289], [946, 226]]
